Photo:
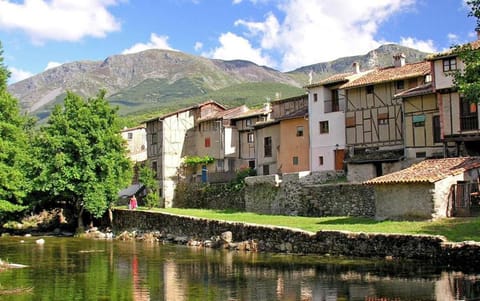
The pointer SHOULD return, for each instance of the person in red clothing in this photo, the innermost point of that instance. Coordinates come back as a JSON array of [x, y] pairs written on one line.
[[133, 202]]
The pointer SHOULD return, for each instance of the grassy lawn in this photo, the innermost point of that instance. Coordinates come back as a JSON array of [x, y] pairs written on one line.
[[454, 229]]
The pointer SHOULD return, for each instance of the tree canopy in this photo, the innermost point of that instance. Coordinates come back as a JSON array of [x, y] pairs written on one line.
[[467, 79], [83, 155], [14, 157]]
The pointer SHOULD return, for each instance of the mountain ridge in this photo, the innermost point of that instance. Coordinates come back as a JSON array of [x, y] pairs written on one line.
[[153, 77]]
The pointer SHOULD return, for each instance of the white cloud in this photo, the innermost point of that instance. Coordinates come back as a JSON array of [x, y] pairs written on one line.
[[59, 20], [198, 46], [425, 46], [51, 65], [18, 75], [233, 47], [156, 42], [314, 31]]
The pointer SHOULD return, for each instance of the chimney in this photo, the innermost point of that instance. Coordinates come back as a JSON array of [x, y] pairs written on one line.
[[356, 67], [399, 60]]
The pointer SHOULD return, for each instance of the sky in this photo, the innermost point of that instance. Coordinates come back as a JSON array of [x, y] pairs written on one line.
[[281, 34]]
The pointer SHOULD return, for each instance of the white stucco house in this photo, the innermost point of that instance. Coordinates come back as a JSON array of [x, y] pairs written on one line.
[[326, 113], [432, 188]]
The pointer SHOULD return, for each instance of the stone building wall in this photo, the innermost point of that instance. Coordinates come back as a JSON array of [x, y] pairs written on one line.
[[278, 239], [307, 195]]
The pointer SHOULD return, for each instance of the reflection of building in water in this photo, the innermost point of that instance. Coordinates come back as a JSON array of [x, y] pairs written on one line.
[[139, 292], [174, 284]]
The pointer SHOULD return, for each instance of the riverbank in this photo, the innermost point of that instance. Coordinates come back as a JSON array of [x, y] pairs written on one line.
[[435, 249]]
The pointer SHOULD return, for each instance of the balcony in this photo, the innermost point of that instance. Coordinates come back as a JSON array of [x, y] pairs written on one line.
[[333, 106], [469, 122]]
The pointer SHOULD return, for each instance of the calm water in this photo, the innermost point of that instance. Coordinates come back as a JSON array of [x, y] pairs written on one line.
[[77, 269]]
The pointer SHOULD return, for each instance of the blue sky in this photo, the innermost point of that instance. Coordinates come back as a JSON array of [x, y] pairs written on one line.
[[282, 34]]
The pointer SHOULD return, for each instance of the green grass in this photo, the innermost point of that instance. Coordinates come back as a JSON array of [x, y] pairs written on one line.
[[454, 229]]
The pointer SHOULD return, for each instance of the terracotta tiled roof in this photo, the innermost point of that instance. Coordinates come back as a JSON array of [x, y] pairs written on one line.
[[419, 90], [227, 114], [429, 171], [252, 112], [390, 74], [336, 78], [449, 52], [193, 107]]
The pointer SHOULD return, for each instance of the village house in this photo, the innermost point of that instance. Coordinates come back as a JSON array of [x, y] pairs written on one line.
[[217, 136], [246, 135], [432, 188], [374, 129], [326, 115], [136, 139], [460, 131], [170, 138], [282, 140]]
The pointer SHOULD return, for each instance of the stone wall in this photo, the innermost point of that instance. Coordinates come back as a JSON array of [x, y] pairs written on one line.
[[277, 239], [307, 195], [209, 196]]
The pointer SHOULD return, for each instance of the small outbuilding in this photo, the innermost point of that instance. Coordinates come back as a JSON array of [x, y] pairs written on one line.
[[432, 188]]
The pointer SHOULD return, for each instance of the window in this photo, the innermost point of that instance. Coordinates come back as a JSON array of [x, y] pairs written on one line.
[[267, 146], [295, 160], [382, 118], [315, 97], [420, 154], [300, 131], [468, 115], [436, 130], [249, 122], [449, 64], [323, 127], [207, 142], [335, 101], [418, 120], [266, 170], [251, 164], [250, 138], [320, 160], [400, 84], [220, 165], [154, 138], [369, 89], [129, 136]]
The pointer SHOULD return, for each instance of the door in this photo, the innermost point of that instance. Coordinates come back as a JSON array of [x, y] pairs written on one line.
[[339, 157]]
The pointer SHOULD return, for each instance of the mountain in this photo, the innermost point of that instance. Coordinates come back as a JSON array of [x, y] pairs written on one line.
[[156, 78]]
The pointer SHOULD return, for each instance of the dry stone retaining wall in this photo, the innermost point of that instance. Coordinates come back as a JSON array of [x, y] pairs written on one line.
[[277, 239]]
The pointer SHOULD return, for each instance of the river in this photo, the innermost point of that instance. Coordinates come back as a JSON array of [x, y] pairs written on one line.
[[84, 269]]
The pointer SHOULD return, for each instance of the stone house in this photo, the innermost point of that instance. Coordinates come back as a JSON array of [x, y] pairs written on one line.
[[246, 134], [326, 115], [136, 140], [458, 117], [217, 136], [170, 138], [374, 129], [432, 188]]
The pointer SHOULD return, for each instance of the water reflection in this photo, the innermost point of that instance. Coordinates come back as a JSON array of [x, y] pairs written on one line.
[[75, 269]]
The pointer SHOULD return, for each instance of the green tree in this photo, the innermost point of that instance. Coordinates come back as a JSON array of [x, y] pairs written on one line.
[[83, 155], [467, 79], [147, 177], [14, 150]]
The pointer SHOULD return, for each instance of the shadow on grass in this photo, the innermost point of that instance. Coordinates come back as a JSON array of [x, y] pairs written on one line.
[[455, 229], [228, 211], [348, 221]]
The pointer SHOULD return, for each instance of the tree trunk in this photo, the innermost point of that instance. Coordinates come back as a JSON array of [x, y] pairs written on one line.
[[80, 225]]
